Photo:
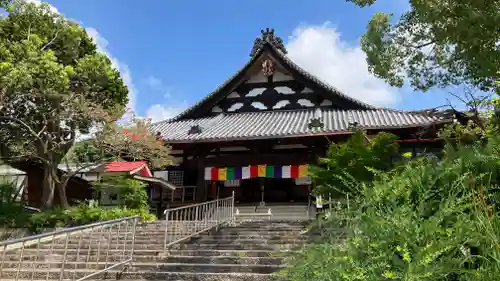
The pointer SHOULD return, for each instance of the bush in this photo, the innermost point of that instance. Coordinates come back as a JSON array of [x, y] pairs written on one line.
[[81, 215], [131, 192], [425, 221], [12, 214], [134, 202], [355, 160]]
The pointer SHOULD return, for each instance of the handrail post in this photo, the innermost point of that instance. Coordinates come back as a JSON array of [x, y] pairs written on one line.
[[133, 238], [232, 208], [308, 215], [217, 215], [166, 230]]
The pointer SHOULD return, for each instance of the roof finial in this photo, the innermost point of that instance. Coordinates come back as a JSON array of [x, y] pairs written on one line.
[[267, 35]]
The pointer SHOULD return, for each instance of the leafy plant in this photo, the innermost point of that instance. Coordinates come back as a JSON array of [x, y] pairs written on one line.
[[435, 44], [81, 215], [56, 86], [357, 160], [12, 214], [131, 192], [426, 220]]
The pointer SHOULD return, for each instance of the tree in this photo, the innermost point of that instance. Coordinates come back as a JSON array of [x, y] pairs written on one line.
[[436, 43], [354, 161], [54, 86], [4, 3]]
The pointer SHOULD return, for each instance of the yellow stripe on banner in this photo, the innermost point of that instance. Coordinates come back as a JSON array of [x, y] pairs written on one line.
[[261, 170], [222, 174], [303, 171]]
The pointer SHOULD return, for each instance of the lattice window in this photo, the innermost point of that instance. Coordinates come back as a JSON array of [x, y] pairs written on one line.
[[176, 177]]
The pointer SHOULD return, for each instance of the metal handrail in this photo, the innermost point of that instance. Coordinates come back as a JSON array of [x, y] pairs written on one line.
[[30, 253], [185, 222]]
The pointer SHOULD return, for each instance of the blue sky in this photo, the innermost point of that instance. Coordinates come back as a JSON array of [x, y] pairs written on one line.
[[172, 53]]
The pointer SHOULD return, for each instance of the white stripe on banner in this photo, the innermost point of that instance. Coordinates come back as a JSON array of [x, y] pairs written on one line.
[[286, 172], [245, 172], [208, 173]]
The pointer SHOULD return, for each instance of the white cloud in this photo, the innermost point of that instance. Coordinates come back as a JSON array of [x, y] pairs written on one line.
[[320, 50], [154, 83], [102, 46], [158, 112], [171, 105]]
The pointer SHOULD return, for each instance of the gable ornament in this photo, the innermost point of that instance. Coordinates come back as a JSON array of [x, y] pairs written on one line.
[[268, 68]]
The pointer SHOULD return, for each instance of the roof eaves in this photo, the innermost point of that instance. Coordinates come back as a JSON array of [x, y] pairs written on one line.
[[308, 134], [163, 182]]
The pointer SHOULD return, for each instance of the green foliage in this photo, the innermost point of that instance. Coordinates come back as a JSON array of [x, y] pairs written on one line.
[[54, 85], [457, 134], [357, 160], [423, 221], [12, 214], [132, 193], [435, 43], [4, 3], [81, 215]]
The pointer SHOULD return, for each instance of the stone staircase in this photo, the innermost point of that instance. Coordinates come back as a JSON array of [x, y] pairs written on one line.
[[245, 251], [280, 212]]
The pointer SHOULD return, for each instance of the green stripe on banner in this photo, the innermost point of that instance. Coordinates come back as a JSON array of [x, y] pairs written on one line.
[[269, 171], [230, 174]]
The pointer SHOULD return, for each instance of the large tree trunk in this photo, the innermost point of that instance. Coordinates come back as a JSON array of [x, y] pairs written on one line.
[[63, 199], [48, 187], [50, 184]]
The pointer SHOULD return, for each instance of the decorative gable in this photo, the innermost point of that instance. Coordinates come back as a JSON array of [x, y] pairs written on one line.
[[271, 81], [266, 90]]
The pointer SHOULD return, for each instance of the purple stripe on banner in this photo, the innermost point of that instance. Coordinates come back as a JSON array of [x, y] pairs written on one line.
[[277, 172], [237, 173]]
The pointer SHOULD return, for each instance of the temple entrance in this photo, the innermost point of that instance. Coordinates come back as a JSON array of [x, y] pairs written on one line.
[[250, 191], [279, 190]]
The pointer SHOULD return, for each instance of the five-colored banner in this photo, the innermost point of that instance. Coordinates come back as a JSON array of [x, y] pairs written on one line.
[[256, 171]]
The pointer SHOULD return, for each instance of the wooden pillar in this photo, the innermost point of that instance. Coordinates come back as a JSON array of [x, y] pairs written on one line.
[[201, 186]]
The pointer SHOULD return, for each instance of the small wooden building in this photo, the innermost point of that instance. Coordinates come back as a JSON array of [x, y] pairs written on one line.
[[259, 129]]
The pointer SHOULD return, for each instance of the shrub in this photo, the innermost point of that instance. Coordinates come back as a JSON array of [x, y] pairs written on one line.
[[12, 214], [356, 160], [81, 215], [425, 221], [131, 192]]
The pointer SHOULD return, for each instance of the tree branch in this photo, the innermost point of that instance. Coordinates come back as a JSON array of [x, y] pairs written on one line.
[[25, 126], [50, 42]]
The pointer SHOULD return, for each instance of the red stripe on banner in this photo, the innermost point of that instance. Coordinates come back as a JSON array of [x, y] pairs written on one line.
[[214, 174], [294, 171], [254, 171]]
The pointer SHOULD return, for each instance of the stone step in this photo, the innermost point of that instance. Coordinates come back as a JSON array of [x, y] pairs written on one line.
[[206, 239], [157, 276], [219, 233], [58, 253], [266, 225], [216, 235], [145, 266], [104, 244], [203, 245], [241, 259], [260, 229], [238, 246]]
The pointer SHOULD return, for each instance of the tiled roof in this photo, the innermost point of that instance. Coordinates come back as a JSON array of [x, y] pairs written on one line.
[[277, 124], [137, 167]]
